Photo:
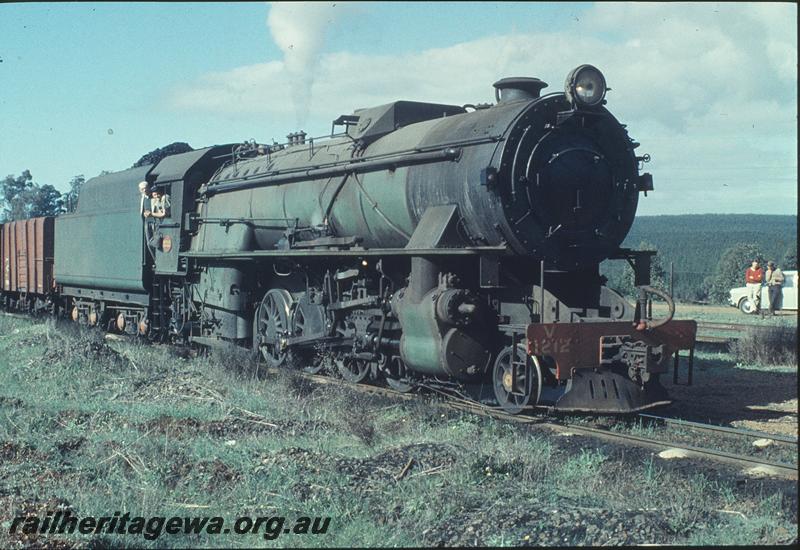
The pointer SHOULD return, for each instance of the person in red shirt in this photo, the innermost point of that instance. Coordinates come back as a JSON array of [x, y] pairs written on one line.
[[753, 278]]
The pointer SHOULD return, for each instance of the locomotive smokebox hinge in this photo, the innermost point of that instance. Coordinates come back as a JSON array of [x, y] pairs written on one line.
[[489, 177]]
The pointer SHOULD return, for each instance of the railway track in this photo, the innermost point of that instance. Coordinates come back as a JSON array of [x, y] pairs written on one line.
[[720, 333], [744, 462], [715, 428]]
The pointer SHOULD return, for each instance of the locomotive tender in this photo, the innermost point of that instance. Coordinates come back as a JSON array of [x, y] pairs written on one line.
[[424, 244]]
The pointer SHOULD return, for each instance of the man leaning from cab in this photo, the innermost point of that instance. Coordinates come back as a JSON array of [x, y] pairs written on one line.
[[159, 205]]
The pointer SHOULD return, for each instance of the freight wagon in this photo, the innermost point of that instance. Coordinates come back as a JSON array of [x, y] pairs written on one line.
[[26, 250]]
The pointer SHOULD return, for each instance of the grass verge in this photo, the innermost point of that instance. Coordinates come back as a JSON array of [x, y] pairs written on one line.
[[97, 427]]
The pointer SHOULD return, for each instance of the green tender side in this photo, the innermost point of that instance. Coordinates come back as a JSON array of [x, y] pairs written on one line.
[[101, 245]]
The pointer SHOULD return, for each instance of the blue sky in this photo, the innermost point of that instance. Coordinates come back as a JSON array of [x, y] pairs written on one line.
[[710, 90]]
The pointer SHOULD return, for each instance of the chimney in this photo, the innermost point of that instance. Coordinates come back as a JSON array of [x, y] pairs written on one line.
[[517, 88]]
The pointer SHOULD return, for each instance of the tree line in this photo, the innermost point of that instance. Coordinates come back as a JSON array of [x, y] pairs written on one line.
[[21, 197], [24, 198]]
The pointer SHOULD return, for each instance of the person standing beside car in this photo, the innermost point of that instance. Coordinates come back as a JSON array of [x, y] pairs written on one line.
[[774, 278], [753, 278]]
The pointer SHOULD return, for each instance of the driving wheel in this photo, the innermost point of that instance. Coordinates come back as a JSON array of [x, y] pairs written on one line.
[[352, 369], [271, 324], [396, 373]]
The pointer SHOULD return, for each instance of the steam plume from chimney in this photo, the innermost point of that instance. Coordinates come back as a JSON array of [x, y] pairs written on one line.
[[298, 29]]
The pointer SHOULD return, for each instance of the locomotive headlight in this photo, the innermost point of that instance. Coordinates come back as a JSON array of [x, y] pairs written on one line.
[[585, 86]]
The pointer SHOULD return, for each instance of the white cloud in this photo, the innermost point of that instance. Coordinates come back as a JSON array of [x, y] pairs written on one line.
[[704, 87], [245, 89], [779, 25]]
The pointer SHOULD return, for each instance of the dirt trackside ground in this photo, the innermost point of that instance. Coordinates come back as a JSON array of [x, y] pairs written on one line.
[[94, 427]]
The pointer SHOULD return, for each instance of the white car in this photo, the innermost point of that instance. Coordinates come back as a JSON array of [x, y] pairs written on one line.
[[740, 297]]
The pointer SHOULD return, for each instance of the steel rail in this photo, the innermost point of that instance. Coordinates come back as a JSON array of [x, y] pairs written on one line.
[[722, 429], [729, 331], [704, 338], [730, 327], [778, 468], [723, 326]]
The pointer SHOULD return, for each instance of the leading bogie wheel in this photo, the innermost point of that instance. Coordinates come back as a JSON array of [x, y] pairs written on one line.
[[516, 379]]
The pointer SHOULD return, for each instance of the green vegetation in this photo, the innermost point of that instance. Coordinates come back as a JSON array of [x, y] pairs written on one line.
[[767, 346], [22, 198], [71, 196], [156, 155], [621, 279], [696, 244], [99, 426]]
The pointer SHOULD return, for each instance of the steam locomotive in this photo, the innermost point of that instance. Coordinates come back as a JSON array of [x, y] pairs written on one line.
[[420, 244]]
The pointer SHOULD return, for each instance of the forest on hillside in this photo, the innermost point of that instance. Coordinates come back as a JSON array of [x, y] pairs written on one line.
[[697, 244]]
